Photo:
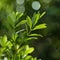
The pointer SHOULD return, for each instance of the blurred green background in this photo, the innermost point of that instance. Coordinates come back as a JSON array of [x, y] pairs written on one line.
[[47, 47]]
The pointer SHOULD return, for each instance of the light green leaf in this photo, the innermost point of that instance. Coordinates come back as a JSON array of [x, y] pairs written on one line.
[[35, 35], [27, 47], [9, 44], [42, 14], [28, 57], [41, 26], [17, 13], [21, 49], [21, 23], [19, 16], [29, 22], [37, 16], [4, 39], [30, 50]]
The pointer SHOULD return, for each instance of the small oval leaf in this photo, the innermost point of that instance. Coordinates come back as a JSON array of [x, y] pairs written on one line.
[[29, 22], [21, 23], [41, 26]]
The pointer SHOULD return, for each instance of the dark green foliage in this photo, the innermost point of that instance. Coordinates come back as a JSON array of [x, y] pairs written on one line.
[[52, 32]]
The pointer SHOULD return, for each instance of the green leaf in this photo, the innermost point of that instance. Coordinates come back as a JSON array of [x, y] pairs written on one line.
[[28, 57], [19, 16], [42, 14], [35, 35], [27, 47], [20, 31], [1, 51], [29, 50], [4, 39], [21, 23], [41, 26], [17, 13], [11, 20], [36, 18], [9, 44], [21, 49], [14, 36], [29, 22], [31, 38]]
